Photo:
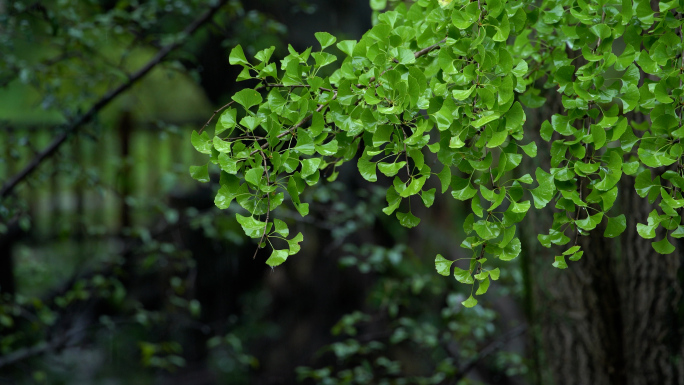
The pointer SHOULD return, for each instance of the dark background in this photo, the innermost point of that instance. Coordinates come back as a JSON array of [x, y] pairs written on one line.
[[117, 268]]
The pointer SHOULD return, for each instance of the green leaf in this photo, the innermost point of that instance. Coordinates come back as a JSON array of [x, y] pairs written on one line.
[[310, 166], [608, 198], [253, 176], [466, 18], [497, 139], [200, 173], [445, 178], [378, 5], [520, 207], [227, 121], [390, 169], [463, 276], [643, 183], [322, 59], [503, 30], [482, 286], [202, 143], [252, 227], [428, 197], [486, 230], [571, 250], [347, 46], [476, 206], [530, 149], [652, 154], [663, 246], [470, 302], [463, 94], [220, 145], [277, 257], [520, 70], [463, 192], [576, 256], [615, 226], [626, 11], [494, 274], [443, 265], [281, 227], [512, 250], [414, 187], [237, 56], [328, 149], [293, 244], [630, 97], [647, 231], [456, 142], [247, 98], [228, 164], [486, 118], [408, 219], [325, 39], [546, 131], [589, 223], [367, 170], [614, 172], [599, 135], [224, 197], [406, 56], [544, 192], [630, 168], [602, 31], [678, 233], [560, 262], [555, 237]]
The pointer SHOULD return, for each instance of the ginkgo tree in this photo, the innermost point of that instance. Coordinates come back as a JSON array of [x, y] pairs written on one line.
[[453, 80]]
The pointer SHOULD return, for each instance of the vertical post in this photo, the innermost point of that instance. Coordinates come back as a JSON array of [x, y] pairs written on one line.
[[125, 180], [7, 283]]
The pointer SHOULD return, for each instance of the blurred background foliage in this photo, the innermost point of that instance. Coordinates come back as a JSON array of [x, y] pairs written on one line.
[[116, 268]]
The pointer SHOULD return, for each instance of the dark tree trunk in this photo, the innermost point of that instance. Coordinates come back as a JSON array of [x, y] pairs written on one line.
[[612, 317], [7, 241]]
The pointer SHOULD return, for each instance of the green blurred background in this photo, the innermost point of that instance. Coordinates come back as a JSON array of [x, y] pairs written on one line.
[[116, 268]]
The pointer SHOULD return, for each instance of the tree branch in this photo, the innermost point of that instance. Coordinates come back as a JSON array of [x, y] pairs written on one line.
[[427, 50], [268, 204], [57, 343], [489, 349], [50, 150], [296, 126]]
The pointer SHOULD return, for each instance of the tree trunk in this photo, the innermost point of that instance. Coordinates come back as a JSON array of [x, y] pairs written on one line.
[[612, 317]]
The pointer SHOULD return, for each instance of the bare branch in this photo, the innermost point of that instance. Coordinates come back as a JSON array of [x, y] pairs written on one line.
[[489, 349], [427, 50], [72, 128]]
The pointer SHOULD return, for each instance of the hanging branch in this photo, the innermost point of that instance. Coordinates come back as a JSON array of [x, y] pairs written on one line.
[[72, 128]]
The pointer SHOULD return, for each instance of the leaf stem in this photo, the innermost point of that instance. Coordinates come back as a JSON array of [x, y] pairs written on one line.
[[268, 204]]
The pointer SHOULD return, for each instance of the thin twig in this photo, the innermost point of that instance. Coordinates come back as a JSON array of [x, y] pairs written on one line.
[[489, 349], [268, 204], [408, 171], [216, 112], [72, 128], [257, 89], [296, 126], [427, 50]]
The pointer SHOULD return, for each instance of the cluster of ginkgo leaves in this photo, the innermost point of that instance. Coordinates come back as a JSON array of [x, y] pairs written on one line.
[[453, 78]]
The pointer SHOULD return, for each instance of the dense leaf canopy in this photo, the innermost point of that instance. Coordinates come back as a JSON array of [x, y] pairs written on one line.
[[452, 81]]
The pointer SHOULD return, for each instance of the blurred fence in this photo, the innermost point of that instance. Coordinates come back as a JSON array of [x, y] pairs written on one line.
[[106, 182], [102, 185]]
